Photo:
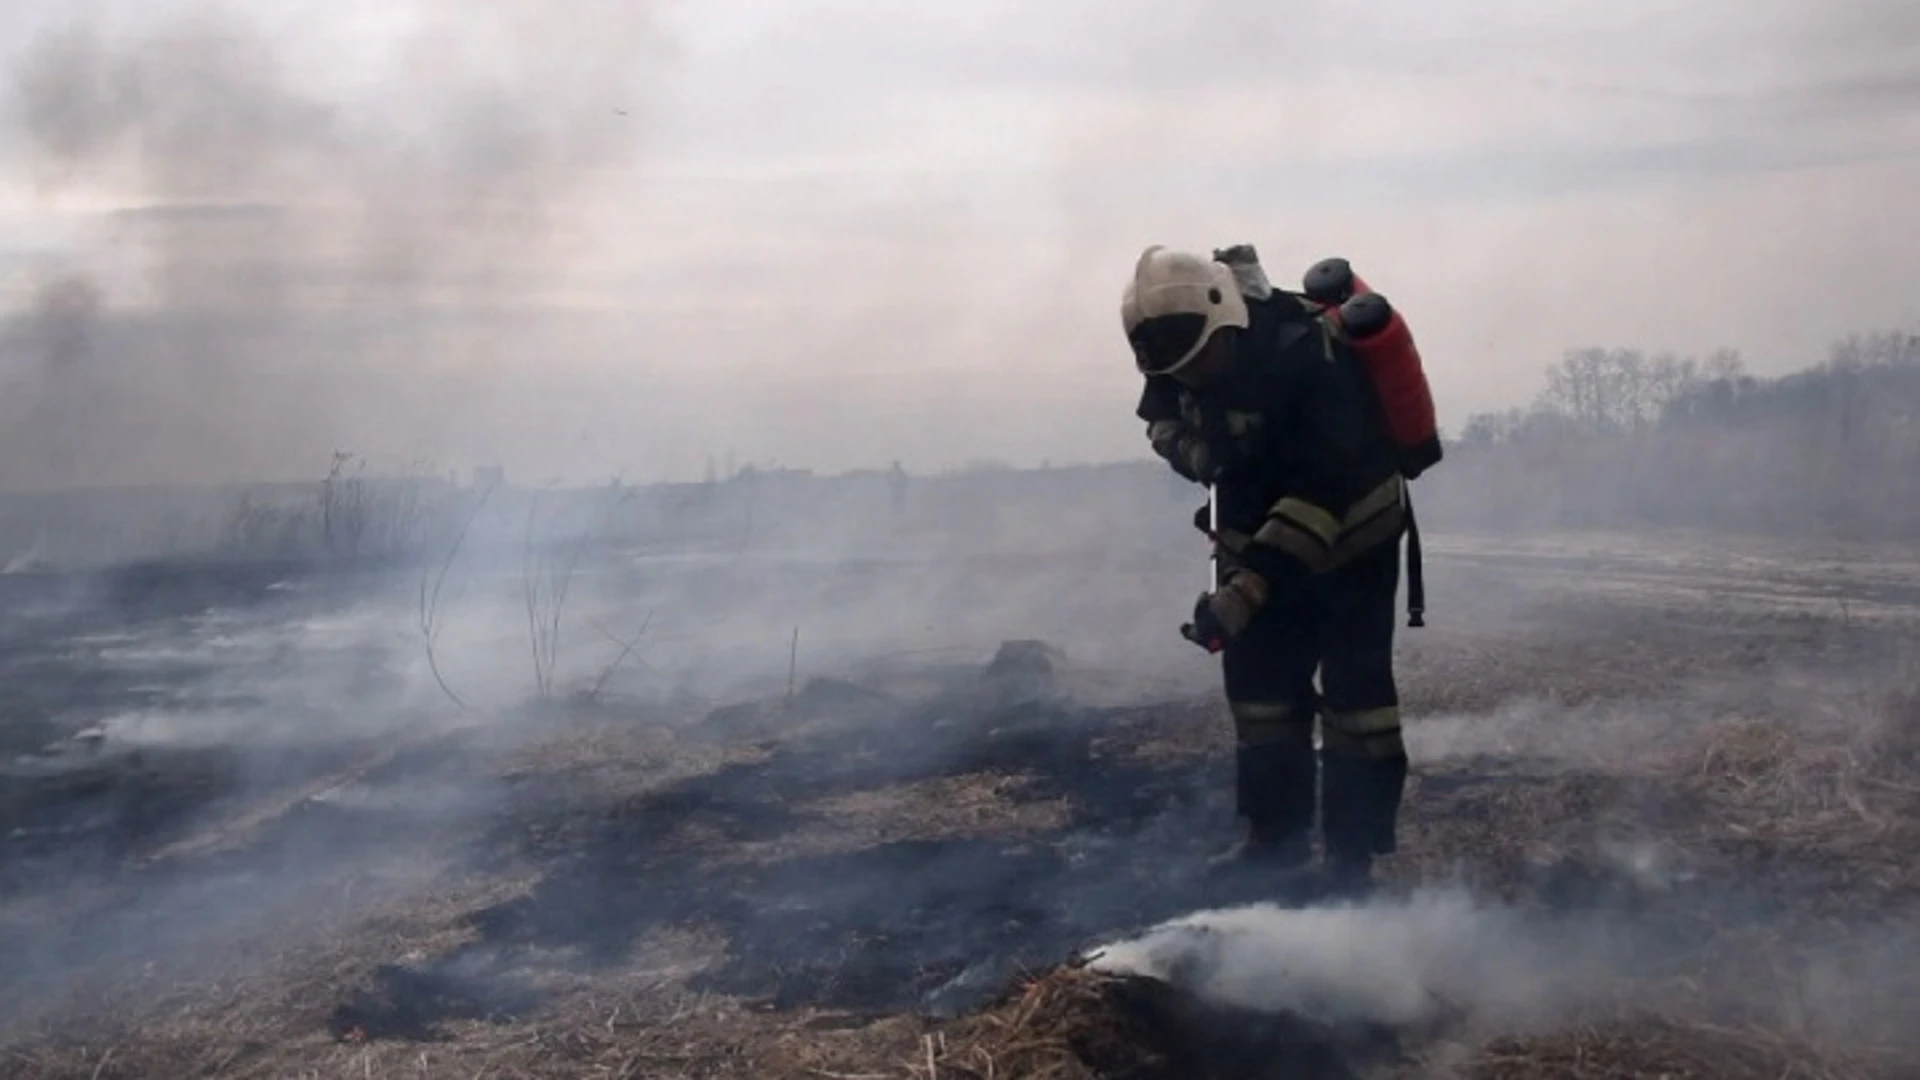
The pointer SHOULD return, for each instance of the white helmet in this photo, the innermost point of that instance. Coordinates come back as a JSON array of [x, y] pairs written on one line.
[[1174, 304]]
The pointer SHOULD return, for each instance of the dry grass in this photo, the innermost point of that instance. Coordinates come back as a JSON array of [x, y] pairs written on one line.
[[1838, 794], [1827, 803], [1658, 1046], [941, 809], [1050, 1030]]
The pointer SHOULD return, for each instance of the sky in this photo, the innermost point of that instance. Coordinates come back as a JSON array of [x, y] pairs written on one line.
[[588, 237]]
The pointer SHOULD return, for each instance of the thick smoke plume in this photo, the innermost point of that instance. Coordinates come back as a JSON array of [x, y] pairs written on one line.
[[281, 244], [1445, 962], [1410, 964]]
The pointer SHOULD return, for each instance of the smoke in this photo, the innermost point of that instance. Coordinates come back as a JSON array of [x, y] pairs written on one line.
[[1446, 963], [292, 244], [1438, 957], [297, 257], [450, 159], [579, 240]]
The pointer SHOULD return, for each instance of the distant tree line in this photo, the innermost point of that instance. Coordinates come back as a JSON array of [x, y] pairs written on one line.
[[1617, 437]]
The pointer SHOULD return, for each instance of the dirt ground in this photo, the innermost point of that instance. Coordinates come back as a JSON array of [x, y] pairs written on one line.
[[895, 875]]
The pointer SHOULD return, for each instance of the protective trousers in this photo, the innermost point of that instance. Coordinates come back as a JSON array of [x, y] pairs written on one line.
[[1341, 624]]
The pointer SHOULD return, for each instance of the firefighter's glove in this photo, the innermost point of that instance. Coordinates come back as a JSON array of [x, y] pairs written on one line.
[[1222, 615]]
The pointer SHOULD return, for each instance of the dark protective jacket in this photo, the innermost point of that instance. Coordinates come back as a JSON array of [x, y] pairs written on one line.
[[1307, 469]]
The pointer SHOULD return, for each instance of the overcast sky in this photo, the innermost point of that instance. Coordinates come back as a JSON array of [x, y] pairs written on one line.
[[581, 236]]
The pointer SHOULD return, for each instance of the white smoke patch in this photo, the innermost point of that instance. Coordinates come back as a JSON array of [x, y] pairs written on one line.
[[412, 799], [1648, 866], [1841, 696], [1438, 957], [26, 562]]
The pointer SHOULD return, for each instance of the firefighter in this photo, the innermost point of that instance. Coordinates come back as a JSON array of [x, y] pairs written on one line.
[[1260, 397]]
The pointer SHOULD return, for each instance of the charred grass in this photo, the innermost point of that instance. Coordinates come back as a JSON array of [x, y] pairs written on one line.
[[854, 884]]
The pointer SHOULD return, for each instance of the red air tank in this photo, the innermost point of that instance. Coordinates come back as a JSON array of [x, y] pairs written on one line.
[[1382, 340]]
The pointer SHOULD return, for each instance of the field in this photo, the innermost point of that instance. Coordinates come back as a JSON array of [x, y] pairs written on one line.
[[944, 818]]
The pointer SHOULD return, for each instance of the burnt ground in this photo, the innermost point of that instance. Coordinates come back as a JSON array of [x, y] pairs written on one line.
[[893, 878], [162, 641]]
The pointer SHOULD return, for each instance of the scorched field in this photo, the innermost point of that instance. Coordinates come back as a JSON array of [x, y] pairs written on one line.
[[1663, 823]]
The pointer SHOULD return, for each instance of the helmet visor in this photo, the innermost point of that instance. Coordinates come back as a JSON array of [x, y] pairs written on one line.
[[1165, 342]]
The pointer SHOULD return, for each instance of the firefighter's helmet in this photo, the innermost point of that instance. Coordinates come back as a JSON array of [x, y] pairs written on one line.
[[1175, 302]]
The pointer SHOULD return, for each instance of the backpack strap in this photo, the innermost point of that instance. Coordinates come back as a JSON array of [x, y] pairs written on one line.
[[1416, 573]]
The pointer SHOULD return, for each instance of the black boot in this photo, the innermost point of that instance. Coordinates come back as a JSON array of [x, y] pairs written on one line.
[[1360, 810], [1266, 848], [1274, 787], [1348, 876], [1264, 867]]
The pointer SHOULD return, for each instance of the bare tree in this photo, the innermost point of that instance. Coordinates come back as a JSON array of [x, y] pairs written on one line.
[[1702, 440], [343, 505], [431, 585], [628, 650], [546, 580]]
